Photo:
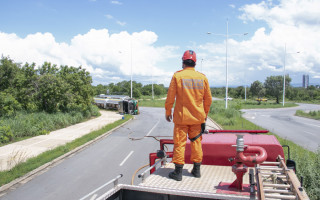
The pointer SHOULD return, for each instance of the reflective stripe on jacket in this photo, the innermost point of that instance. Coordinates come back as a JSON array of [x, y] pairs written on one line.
[[193, 97]]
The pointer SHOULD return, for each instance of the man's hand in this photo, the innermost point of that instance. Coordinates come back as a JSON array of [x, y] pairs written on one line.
[[169, 118]]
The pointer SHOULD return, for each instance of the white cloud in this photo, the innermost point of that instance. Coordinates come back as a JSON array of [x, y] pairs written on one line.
[[295, 24], [106, 56], [232, 6], [121, 23], [109, 16], [253, 57], [116, 2]]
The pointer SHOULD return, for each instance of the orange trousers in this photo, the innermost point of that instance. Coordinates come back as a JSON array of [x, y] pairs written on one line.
[[180, 134]]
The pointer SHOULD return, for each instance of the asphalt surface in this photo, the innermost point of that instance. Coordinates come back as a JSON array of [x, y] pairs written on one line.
[[78, 175], [281, 121]]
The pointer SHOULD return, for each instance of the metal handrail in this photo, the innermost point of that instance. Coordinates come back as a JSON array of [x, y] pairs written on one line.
[[238, 131], [142, 175], [114, 181]]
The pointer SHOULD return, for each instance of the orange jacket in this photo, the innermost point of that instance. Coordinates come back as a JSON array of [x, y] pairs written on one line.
[[193, 97]]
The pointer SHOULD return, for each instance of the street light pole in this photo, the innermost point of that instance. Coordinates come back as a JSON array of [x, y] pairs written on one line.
[[131, 66], [284, 72], [245, 93], [201, 64], [227, 37], [227, 63], [152, 88]]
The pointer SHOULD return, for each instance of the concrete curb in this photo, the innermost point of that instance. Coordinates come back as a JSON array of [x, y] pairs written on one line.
[[27, 177], [216, 125]]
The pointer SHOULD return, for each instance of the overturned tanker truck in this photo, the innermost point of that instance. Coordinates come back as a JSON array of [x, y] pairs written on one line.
[[237, 164], [122, 103]]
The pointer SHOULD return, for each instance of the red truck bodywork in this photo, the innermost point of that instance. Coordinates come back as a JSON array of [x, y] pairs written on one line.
[[217, 148]]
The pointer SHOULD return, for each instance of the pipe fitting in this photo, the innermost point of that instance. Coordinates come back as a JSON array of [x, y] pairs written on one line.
[[240, 143], [256, 159]]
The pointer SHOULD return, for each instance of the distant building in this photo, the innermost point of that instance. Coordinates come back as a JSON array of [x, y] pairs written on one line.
[[305, 81]]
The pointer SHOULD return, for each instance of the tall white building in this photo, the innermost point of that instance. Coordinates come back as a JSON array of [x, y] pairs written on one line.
[[305, 81]]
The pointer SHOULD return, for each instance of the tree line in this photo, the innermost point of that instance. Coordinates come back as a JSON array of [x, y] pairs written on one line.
[[47, 88], [53, 89], [124, 88], [271, 88]]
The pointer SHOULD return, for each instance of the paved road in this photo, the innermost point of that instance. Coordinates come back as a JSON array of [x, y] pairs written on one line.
[[303, 131], [85, 171]]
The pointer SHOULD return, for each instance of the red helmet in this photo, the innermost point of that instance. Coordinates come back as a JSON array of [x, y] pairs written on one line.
[[189, 55]]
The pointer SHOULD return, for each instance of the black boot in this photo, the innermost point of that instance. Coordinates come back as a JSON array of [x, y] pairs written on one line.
[[177, 173], [196, 170]]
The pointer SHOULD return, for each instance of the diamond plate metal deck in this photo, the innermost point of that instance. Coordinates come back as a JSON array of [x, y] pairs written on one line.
[[211, 176]]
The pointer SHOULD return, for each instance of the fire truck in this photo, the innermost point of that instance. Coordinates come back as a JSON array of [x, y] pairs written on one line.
[[237, 164]]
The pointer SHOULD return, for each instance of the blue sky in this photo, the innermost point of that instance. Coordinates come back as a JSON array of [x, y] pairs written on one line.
[[109, 37]]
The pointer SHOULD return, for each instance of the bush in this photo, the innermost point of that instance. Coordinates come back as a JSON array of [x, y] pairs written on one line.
[[5, 134], [45, 88], [8, 105]]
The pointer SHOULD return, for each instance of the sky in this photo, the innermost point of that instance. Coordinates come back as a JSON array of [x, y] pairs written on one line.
[[145, 39]]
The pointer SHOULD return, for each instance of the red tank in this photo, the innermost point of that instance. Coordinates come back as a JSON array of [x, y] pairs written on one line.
[[217, 148]]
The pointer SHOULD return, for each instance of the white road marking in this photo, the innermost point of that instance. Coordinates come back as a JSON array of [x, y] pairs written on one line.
[[310, 133], [94, 197], [126, 158], [153, 128], [311, 124]]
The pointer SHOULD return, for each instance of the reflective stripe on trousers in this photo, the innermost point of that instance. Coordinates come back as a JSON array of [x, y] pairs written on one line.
[[180, 134]]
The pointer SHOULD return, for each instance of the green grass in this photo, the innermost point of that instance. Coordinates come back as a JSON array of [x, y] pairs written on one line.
[[310, 114], [308, 102], [152, 103], [240, 103], [33, 163], [150, 97], [251, 104], [25, 125]]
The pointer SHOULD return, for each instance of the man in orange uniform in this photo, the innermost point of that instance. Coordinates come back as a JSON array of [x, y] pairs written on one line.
[[190, 89]]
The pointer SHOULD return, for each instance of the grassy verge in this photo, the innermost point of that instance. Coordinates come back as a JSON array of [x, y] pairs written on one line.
[[308, 102], [251, 104], [33, 163], [152, 103], [150, 97], [25, 125], [308, 163], [310, 114]]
